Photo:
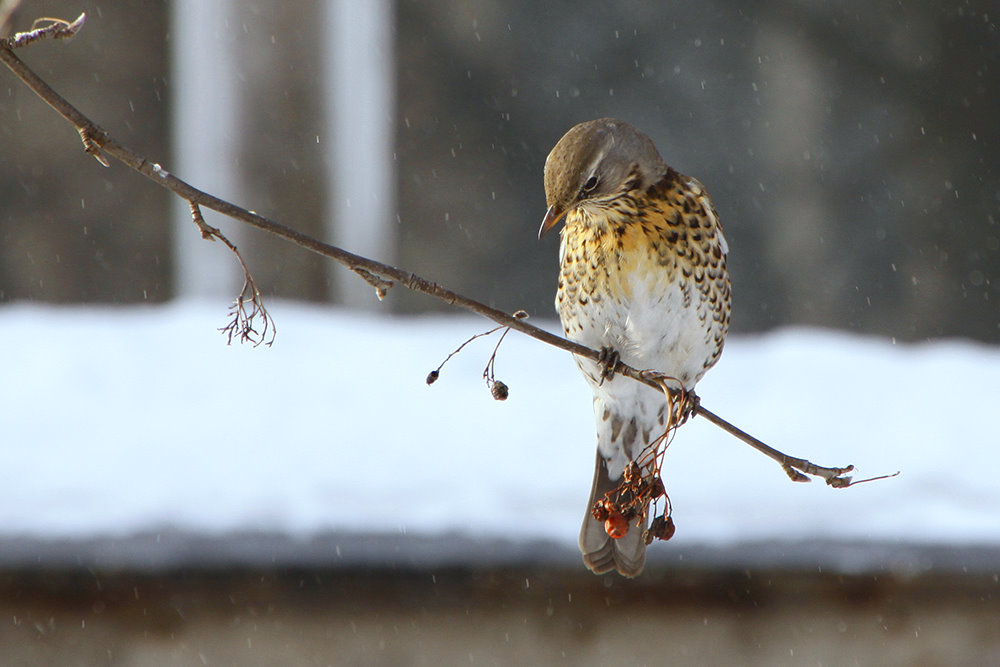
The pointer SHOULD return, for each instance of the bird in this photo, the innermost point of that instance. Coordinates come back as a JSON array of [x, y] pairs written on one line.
[[643, 279]]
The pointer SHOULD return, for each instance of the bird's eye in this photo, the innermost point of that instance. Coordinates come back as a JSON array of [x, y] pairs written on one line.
[[590, 184]]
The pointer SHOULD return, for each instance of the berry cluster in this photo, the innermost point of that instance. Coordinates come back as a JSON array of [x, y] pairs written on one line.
[[629, 503]]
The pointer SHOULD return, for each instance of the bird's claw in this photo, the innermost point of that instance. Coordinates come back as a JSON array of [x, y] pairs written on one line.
[[686, 403], [608, 362], [683, 403]]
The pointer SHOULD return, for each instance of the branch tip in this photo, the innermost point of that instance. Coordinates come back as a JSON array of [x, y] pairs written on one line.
[[47, 28], [844, 482]]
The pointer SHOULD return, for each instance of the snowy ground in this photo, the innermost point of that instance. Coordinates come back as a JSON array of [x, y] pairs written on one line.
[[118, 421]]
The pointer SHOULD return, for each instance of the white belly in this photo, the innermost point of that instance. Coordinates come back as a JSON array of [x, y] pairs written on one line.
[[654, 327]]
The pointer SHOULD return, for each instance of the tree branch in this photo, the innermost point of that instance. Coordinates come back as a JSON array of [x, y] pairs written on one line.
[[99, 143]]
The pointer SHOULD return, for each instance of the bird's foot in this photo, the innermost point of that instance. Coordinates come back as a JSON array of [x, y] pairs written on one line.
[[608, 361], [683, 403]]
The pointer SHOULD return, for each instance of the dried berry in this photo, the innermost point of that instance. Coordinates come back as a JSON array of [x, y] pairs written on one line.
[[499, 390], [433, 376], [615, 525], [662, 528], [669, 531]]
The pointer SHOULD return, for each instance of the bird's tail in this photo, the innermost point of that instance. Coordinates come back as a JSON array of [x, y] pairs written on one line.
[[602, 553]]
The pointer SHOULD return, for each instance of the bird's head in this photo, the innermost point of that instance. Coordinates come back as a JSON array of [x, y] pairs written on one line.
[[595, 161]]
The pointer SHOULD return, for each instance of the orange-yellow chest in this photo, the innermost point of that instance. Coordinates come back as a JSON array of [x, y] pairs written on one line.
[[610, 257], [651, 284]]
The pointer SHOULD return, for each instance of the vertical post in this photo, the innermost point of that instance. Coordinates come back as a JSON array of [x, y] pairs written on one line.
[[360, 110], [205, 124]]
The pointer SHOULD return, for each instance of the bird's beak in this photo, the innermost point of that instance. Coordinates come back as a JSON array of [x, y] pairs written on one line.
[[552, 218]]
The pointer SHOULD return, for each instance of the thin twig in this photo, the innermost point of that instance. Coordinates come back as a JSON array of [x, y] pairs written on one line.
[[46, 28], [248, 311], [433, 376], [793, 466], [95, 137]]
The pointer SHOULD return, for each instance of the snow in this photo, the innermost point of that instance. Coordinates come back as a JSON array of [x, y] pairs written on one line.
[[123, 421]]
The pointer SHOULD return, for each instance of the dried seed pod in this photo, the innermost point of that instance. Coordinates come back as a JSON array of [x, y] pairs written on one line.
[[499, 391], [433, 376], [662, 528], [615, 525], [669, 530], [656, 527]]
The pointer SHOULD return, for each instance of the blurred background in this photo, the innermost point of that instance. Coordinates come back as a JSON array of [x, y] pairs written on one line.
[[850, 149]]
